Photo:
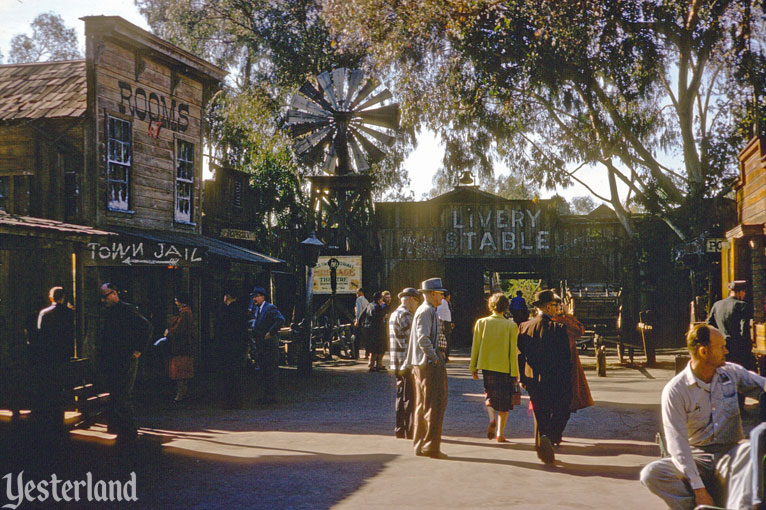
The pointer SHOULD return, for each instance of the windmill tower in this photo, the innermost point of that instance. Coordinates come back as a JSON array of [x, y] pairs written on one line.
[[335, 123]]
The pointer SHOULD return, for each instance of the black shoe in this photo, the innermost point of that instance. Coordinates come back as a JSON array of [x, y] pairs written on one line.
[[545, 450]]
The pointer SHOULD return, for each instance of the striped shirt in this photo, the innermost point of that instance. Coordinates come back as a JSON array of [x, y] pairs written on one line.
[[399, 325]]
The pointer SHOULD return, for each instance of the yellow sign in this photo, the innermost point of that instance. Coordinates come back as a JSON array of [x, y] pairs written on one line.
[[348, 274], [233, 233]]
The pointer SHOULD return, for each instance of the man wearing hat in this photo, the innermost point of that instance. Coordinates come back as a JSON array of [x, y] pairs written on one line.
[[429, 372], [399, 326], [266, 323], [732, 318], [545, 367]]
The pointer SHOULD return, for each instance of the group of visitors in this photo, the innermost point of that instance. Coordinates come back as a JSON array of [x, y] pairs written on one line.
[[542, 352]]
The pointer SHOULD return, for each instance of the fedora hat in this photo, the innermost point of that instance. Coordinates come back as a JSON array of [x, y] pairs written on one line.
[[258, 290], [545, 296], [432, 285], [409, 291]]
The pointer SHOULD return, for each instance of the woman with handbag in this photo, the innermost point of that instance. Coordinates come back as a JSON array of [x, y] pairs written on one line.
[[180, 334], [494, 353]]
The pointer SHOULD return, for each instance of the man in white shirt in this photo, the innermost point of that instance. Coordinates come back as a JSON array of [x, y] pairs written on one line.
[[708, 463]]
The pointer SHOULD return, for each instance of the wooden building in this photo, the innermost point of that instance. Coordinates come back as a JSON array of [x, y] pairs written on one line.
[[742, 256], [113, 142], [464, 234]]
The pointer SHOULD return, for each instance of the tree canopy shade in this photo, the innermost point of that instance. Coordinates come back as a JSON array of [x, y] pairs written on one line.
[[658, 94], [51, 40]]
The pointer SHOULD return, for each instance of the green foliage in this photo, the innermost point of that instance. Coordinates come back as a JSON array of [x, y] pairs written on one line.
[[528, 289], [50, 40], [582, 205], [547, 87]]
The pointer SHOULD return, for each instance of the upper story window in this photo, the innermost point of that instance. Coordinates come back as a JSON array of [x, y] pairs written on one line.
[[184, 180], [4, 193], [236, 194], [118, 164]]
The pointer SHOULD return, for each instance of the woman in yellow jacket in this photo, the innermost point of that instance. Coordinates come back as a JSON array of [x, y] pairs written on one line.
[[494, 353]]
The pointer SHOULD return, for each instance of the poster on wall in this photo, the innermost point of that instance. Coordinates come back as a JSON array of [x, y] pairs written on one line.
[[348, 274]]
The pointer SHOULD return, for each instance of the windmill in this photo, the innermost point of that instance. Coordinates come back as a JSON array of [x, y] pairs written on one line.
[[341, 122]]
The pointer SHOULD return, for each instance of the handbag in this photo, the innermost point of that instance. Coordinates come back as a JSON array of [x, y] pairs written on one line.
[[515, 393], [181, 367]]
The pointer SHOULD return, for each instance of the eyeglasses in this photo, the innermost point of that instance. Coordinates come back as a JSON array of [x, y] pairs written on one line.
[[104, 296]]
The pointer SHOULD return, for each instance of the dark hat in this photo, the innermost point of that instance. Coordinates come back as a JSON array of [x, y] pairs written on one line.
[[432, 285], [545, 296], [258, 290], [738, 285], [409, 291]]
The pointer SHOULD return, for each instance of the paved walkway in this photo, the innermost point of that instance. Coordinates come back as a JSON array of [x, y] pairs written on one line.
[[329, 444]]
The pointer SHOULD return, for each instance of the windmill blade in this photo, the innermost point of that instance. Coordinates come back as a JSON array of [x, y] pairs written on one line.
[[307, 142], [308, 90], [330, 161], [373, 153], [359, 159], [385, 116], [371, 85], [297, 130], [316, 155], [301, 102], [377, 98], [354, 82], [339, 84], [299, 117], [383, 138], [325, 81]]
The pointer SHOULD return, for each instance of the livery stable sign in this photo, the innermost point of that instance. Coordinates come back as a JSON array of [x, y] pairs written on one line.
[[129, 253], [348, 274]]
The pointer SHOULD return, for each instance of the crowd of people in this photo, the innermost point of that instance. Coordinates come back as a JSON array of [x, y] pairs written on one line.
[[707, 460], [539, 354]]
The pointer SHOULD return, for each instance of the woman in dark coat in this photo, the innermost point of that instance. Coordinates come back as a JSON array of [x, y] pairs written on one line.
[[373, 321], [180, 334]]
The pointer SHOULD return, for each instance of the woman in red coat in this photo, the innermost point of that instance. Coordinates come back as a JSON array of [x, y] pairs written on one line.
[[581, 397], [180, 334]]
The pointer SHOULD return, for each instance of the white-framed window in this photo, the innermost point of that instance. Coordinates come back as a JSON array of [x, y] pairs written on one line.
[[184, 181], [118, 157]]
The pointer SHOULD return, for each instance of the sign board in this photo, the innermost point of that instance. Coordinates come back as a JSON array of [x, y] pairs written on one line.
[[129, 253], [348, 274], [713, 244], [233, 233]]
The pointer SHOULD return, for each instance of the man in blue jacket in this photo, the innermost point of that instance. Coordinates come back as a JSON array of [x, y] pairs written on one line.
[[266, 323]]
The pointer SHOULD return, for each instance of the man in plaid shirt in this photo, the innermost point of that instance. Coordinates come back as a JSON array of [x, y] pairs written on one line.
[[399, 325]]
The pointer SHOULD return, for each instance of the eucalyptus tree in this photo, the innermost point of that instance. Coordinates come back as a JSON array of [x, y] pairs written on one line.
[[50, 40], [655, 93]]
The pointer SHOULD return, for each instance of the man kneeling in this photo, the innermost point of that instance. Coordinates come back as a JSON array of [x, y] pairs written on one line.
[[700, 416]]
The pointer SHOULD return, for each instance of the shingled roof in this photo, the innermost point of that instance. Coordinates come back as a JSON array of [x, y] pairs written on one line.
[[43, 90]]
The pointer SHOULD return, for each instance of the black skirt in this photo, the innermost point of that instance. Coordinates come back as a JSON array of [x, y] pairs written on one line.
[[498, 388]]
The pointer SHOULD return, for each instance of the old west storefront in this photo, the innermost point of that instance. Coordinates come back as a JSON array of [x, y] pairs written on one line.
[[742, 254], [115, 142], [466, 234]]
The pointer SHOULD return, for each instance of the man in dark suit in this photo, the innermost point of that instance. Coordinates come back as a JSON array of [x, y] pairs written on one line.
[[231, 347], [51, 351], [123, 334], [544, 366], [266, 323], [732, 318]]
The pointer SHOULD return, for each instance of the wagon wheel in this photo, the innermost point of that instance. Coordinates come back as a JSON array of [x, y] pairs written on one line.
[[347, 343], [330, 121]]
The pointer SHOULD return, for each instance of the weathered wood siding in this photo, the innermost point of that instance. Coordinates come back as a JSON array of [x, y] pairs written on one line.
[[751, 197], [148, 99]]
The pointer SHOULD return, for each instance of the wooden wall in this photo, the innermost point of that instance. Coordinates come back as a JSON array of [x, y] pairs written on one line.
[[136, 87], [751, 197]]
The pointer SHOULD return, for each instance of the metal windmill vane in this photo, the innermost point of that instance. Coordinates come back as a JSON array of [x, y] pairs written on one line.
[[330, 122]]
